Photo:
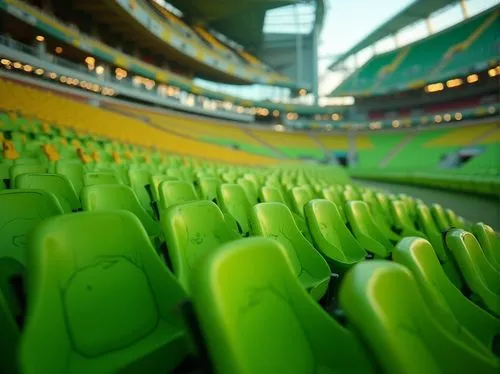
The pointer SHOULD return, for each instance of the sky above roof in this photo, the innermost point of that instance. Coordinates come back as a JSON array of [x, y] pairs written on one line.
[[347, 22]]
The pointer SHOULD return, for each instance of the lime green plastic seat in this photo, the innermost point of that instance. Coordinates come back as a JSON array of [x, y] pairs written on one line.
[[300, 196], [57, 184], [233, 201], [481, 277], [74, 171], [99, 292], [448, 305], [331, 237], [365, 229], [256, 318], [154, 185], [440, 217], [16, 170], [191, 230], [429, 228], [453, 219], [402, 221], [249, 189], [274, 220], [207, 188], [333, 195], [97, 178], [351, 194], [384, 203], [490, 242], [271, 194], [102, 197], [175, 192], [9, 338], [383, 304], [384, 222], [139, 179], [21, 210]]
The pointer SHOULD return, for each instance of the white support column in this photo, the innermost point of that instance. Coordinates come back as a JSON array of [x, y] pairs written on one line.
[[428, 23], [465, 10]]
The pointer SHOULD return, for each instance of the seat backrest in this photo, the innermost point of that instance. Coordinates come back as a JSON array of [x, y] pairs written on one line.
[[351, 194], [274, 220], [232, 200], [101, 197], [175, 192], [16, 170], [333, 195], [440, 218], [207, 188], [384, 202], [460, 316], [21, 210], [300, 197], [383, 304], [100, 292], [97, 178], [192, 229], [331, 237], [256, 318], [74, 171], [432, 233], [57, 184], [365, 229], [154, 185], [139, 179], [271, 194], [453, 219], [249, 189], [490, 242], [401, 219], [481, 277]]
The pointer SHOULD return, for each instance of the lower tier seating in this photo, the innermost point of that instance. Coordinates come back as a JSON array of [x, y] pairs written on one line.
[[123, 258]]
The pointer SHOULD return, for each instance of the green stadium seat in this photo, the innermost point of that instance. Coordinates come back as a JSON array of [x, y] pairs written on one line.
[[16, 170], [429, 228], [105, 197], [453, 219], [233, 201], [98, 178], [207, 188], [21, 211], [300, 196], [365, 229], [440, 217], [384, 222], [481, 277], [74, 171], [489, 241], [9, 338], [383, 304], [384, 203], [57, 184], [139, 179], [270, 194], [175, 192], [351, 194], [333, 195], [102, 295], [274, 220], [447, 304], [191, 230], [256, 318], [331, 237], [154, 184], [249, 189], [402, 220]]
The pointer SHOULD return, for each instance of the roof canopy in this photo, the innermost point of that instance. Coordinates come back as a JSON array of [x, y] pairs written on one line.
[[414, 12]]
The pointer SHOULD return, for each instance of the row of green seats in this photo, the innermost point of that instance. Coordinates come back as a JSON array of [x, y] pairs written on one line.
[[338, 233]]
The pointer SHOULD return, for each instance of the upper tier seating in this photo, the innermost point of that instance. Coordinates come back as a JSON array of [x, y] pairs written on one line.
[[454, 50]]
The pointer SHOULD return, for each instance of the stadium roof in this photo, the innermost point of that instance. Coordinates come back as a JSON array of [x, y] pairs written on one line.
[[414, 12], [240, 20]]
